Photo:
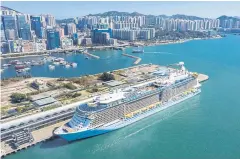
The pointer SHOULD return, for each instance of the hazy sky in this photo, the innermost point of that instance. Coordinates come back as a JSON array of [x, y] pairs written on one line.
[[73, 9]]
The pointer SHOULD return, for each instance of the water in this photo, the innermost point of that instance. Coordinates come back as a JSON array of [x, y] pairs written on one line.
[[205, 126]]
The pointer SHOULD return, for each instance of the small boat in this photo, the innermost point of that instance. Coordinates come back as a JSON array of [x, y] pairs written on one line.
[[44, 59], [20, 70], [2, 70], [19, 67], [138, 49], [67, 65], [36, 63], [59, 59], [13, 62], [41, 63], [63, 62], [74, 64], [6, 65], [19, 63], [50, 59], [86, 57], [51, 67], [27, 69], [56, 63], [27, 62]]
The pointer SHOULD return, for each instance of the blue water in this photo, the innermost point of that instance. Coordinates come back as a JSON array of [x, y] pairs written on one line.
[[206, 126]]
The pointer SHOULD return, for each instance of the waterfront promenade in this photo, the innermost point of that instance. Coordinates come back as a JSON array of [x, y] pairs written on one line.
[[48, 52]]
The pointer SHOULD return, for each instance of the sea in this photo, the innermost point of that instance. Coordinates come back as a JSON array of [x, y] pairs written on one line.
[[205, 126]]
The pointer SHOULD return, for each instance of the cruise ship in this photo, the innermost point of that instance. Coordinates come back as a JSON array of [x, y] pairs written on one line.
[[127, 105]]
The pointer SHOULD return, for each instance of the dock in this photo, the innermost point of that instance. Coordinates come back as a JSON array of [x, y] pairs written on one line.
[[138, 59], [39, 136], [202, 77]]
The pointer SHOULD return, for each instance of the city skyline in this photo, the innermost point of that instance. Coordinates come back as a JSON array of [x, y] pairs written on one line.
[[77, 9], [27, 32]]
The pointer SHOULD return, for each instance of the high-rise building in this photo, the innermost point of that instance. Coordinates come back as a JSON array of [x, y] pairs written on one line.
[[10, 34], [28, 47], [3, 36], [66, 43], [61, 32], [10, 23], [145, 34], [36, 25], [71, 28], [4, 47], [151, 32], [97, 35], [53, 39], [23, 27], [25, 34], [50, 20], [14, 46], [40, 45], [102, 26], [75, 38], [113, 41]]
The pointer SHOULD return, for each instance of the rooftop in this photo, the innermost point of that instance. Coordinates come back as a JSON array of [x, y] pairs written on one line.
[[113, 83], [39, 96], [45, 101]]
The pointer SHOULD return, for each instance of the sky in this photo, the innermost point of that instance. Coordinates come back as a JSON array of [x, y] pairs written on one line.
[[64, 9]]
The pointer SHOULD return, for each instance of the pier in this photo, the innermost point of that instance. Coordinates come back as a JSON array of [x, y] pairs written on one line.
[[138, 59], [91, 55], [39, 136]]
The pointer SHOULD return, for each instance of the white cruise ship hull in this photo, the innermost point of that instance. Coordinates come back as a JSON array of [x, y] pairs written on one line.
[[72, 136]]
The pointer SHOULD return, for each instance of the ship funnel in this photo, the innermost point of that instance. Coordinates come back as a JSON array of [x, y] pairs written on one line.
[[181, 63], [182, 66]]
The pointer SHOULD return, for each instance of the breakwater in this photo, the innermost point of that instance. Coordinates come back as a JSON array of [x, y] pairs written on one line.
[[91, 55], [138, 59]]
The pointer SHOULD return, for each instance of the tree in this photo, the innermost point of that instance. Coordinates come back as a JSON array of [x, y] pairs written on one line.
[[107, 77], [82, 81], [70, 86], [94, 90], [76, 95], [19, 109], [18, 97]]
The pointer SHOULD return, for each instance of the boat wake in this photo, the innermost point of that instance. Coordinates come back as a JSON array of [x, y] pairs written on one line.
[[158, 53]]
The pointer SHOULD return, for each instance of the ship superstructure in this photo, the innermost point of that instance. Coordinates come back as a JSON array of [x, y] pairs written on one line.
[[124, 106]]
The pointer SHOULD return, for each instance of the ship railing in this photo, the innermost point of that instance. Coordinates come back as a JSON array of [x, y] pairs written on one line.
[[139, 96]]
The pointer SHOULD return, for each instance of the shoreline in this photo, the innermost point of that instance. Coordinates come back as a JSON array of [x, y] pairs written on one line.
[[179, 41], [107, 47]]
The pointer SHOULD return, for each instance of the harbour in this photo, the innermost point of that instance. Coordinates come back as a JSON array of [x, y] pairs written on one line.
[[190, 123], [44, 131]]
